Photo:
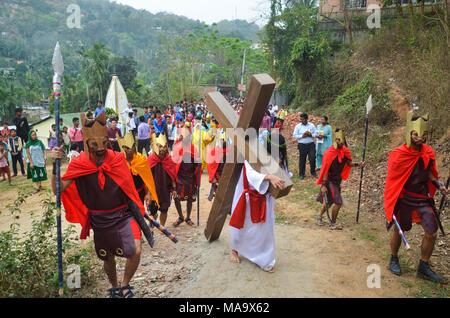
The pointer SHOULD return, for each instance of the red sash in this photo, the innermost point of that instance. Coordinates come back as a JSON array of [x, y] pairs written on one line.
[[257, 206]]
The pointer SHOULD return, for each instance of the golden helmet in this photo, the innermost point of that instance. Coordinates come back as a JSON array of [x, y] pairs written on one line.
[[338, 133], [419, 124]]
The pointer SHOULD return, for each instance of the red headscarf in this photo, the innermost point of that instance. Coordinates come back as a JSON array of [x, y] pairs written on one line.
[[115, 166], [401, 163], [328, 158], [168, 165]]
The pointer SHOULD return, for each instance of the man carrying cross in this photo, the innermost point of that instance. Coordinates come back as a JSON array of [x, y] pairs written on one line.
[[253, 218], [248, 187]]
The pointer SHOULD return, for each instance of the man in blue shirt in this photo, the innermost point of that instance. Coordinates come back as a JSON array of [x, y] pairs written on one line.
[[159, 123], [100, 109], [305, 132], [147, 115]]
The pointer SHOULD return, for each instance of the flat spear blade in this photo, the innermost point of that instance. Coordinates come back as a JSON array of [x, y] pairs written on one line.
[[369, 105], [57, 61]]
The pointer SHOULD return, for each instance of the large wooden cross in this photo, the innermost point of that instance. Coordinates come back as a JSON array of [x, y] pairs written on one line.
[[260, 91]]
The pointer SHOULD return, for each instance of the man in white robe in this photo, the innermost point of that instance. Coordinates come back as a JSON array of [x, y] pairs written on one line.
[[255, 241]]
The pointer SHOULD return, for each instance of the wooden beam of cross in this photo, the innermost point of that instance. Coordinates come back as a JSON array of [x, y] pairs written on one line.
[[260, 91]]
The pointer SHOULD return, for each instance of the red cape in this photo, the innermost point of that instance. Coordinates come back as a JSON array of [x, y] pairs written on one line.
[[114, 166], [214, 159], [179, 152], [401, 163], [168, 165], [328, 158]]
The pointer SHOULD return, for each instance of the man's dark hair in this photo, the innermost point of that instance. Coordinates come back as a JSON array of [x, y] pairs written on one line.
[[325, 117], [157, 111], [130, 115], [100, 102], [12, 129], [4, 123], [19, 110], [304, 115], [135, 110], [142, 119], [146, 107], [75, 119], [74, 147]]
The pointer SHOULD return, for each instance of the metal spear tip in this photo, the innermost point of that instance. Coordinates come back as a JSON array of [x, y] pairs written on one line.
[[369, 105], [57, 61]]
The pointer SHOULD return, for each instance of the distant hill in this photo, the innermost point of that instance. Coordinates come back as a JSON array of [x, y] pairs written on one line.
[[29, 30]]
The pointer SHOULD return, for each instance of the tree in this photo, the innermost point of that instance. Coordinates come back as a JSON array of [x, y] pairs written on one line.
[[95, 64]]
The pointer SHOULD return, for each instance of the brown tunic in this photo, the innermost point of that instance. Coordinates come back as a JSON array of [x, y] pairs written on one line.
[[163, 186], [334, 184], [109, 216], [417, 183], [187, 175]]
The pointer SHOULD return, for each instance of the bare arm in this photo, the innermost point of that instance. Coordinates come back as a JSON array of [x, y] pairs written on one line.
[[275, 181], [433, 179], [57, 154]]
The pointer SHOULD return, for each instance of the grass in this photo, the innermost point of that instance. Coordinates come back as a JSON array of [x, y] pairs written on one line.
[[280, 219], [431, 290]]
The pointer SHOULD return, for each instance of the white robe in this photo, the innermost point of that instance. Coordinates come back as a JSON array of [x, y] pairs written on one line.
[[255, 242]]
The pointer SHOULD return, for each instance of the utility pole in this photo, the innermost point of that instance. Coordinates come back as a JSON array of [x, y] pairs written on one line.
[[242, 75]]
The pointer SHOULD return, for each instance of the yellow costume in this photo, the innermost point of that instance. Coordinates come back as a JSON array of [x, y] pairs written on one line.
[[139, 165], [199, 136]]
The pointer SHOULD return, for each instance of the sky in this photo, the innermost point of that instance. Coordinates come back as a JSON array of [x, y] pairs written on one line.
[[208, 11]]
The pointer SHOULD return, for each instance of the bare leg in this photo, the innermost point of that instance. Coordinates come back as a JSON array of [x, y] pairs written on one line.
[[109, 265], [163, 219], [235, 257], [324, 209], [132, 264], [428, 246], [396, 242], [179, 210], [336, 209], [189, 208]]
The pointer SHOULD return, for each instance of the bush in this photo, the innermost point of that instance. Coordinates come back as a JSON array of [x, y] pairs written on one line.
[[29, 262]]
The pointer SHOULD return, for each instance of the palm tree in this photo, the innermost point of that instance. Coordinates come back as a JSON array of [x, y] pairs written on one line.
[[96, 64]]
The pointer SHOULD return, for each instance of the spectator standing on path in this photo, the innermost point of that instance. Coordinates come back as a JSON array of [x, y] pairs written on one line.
[[16, 146], [266, 122], [146, 115], [100, 109], [143, 136], [136, 118], [4, 165], [37, 159], [113, 131], [324, 140], [21, 124], [159, 123], [282, 114], [75, 133], [305, 133], [127, 111], [52, 137], [131, 125]]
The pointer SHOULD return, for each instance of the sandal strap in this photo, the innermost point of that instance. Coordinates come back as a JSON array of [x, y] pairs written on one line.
[[129, 293], [115, 293]]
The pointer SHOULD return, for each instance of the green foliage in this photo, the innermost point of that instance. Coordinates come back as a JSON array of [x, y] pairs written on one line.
[[28, 262]]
